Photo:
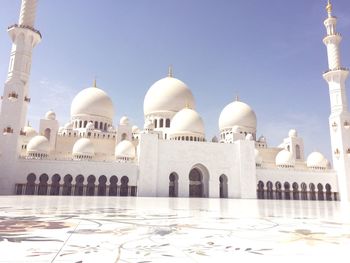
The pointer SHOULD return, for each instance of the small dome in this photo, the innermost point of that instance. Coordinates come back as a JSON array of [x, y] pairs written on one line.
[[262, 139], [84, 148], [149, 125], [124, 120], [38, 145], [238, 114], [30, 131], [167, 95], [285, 159], [249, 137], [90, 126], [50, 115], [293, 133], [258, 158], [125, 150], [92, 102], [316, 160], [135, 129], [68, 126], [187, 122]]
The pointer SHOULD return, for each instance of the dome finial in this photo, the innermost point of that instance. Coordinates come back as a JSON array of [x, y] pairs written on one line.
[[187, 105], [237, 98], [329, 8], [94, 84], [170, 71]]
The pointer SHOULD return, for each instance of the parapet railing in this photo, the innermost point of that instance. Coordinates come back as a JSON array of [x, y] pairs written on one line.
[[27, 27]]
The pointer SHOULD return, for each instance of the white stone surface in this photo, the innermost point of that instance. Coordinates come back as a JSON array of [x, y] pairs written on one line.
[[93, 229]]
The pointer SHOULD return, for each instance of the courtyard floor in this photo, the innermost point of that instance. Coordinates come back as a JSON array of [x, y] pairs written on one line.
[[134, 229]]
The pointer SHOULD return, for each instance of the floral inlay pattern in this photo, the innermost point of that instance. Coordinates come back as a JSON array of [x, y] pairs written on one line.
[[70, 229]]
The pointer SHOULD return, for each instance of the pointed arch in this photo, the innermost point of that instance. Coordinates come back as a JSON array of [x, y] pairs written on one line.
[[303, 187], [55, 185], [312, 191], [261, 190], [113, 185], [173, 184], [67, 185], [47, 133], [320, 194], [101, 190], [124, 187], [42, 189], [198, 181], [30, 186], [90, 188], [328, 192], [295, 187], [286, 191], [278, 186], [223, 186], [269, 190], [79, 185]]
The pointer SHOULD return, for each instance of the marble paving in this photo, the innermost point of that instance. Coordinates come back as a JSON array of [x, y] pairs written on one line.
[[127, 229]]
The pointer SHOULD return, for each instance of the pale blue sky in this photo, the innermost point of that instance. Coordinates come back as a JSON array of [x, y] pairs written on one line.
[[268, 52]]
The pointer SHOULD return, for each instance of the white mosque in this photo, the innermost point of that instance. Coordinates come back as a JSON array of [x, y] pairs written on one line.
[[170, 156]]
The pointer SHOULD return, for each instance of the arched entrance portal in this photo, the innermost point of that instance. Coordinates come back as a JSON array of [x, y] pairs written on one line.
[[199, 182]]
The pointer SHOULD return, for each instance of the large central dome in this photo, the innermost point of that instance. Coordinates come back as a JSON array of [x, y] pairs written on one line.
[[92, 102], [167, 95]]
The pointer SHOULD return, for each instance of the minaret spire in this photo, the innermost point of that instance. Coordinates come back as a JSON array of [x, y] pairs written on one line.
[[339, 120], [329, 8]]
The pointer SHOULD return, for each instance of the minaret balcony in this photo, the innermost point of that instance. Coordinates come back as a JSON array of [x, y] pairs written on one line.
[[334, 38], [26, 27], [336, 69]]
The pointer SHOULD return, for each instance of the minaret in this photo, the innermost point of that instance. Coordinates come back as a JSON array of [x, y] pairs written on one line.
[[16, 98], [339, 120]]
